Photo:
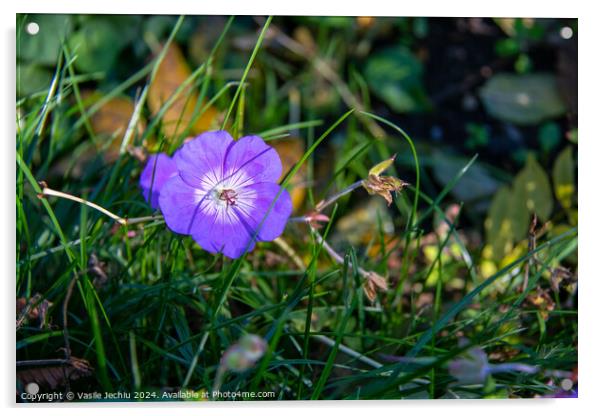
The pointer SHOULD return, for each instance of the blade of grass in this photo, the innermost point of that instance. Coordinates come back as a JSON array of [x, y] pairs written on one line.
[[246, 71]]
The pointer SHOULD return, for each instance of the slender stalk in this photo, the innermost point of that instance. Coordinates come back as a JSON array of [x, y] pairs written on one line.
[[51, 192], [121, 220], [195, 360], [336, 256], [327, 202]]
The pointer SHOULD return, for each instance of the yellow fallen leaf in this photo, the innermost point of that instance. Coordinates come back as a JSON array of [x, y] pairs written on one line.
[[111, 121], [108, 124], [172, 73], [290, 151]]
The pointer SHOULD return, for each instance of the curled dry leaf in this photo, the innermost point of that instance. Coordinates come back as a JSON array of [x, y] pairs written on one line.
[[559, 275], [32, 309], [383, 185], [97, 268], [373, 283]]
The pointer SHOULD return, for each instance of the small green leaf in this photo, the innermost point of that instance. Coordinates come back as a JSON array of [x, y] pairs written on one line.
[[395, 76], [522, 99], [507, 47], [523, 64], [532, 189], [564, 177]]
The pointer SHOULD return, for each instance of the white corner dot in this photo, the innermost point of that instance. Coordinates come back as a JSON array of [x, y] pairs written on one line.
[[32, 28], [566, 384], [566, 32], [32, 388]]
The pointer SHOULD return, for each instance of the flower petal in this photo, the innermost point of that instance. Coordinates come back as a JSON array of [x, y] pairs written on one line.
[[255, 203], [159, 168], [201, 160], [224, 233], [182, 205], [253, 161]]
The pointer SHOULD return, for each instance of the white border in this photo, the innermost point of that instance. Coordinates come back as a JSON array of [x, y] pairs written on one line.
[[590, 73]]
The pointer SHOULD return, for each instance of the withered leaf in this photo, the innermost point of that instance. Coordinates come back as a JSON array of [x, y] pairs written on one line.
[[52, 377], [172, 73]]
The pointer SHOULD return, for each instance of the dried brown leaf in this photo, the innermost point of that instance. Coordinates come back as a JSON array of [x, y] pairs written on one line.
[[172, 73], [52, 377]]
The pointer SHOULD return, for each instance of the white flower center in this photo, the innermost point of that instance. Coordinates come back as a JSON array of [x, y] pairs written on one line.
[[221, 199]]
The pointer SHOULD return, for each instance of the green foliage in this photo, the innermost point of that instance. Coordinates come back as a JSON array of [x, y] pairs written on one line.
[[477, 183], [150, 311], [507, 222], [533, 190], [522, 99], [43, 47], [99, 40], [35, 78], [478, 136], [549, 136], [564, 178], [395, 75]]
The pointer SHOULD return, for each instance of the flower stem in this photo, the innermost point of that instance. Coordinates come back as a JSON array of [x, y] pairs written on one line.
[[325, 203], [51, 192], [46, 191], [336, 256]]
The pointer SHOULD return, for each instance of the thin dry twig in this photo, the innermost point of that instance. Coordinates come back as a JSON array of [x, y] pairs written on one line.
[[46, 191]]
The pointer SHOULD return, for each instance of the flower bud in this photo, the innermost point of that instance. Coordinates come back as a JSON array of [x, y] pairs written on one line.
[[472, 368], [244, 354]]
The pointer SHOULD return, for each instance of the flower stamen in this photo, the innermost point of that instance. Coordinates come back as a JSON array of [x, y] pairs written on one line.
[[228, 195]]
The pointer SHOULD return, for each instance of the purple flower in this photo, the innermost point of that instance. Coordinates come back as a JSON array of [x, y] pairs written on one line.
[[225, 193], [159, 168]]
